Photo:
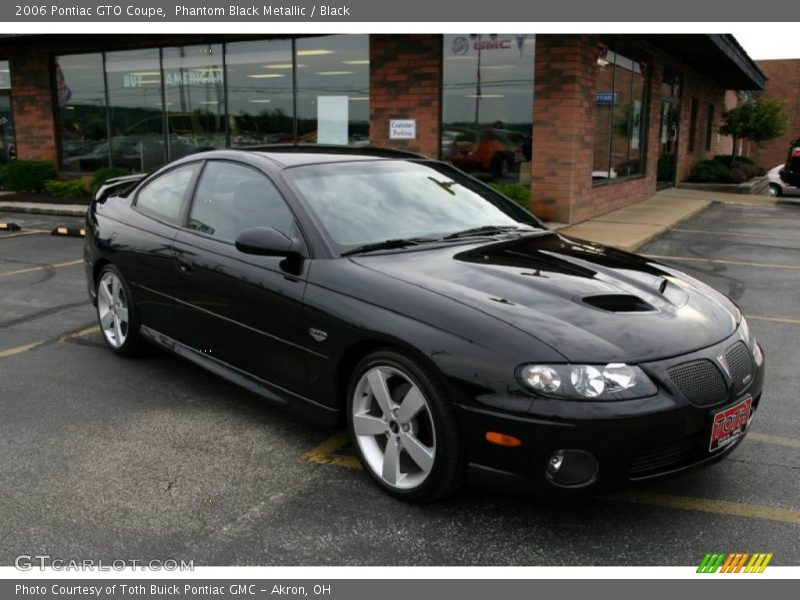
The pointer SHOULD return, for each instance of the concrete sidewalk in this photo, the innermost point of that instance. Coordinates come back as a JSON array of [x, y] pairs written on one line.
[[633, 226]]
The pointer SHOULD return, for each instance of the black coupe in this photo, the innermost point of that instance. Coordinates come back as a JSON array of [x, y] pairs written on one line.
[[455, 335]]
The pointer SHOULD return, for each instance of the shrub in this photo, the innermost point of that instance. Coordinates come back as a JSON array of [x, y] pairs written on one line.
[[726, 169], [102, 175], [516, 192], [711, 171], [727, 159], [27, 175], [65, 189]]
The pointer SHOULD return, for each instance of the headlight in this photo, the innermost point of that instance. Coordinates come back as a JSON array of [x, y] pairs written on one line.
[[614, 381], [750, 340]]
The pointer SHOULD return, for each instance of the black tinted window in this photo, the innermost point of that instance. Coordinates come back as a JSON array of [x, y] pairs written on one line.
[[164, 195], [231, 198]]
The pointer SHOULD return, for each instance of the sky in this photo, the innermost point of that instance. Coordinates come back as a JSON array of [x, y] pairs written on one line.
[[760, 45]]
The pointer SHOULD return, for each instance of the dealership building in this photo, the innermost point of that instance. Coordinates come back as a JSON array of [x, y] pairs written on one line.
[[590, 123]]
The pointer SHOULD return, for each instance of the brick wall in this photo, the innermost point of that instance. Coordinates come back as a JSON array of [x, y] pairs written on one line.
[[564, 125], [405, 83], [32, 104], [783, 84]]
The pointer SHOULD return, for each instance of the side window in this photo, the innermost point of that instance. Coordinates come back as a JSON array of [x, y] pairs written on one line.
[[164, 195], [231, 198]]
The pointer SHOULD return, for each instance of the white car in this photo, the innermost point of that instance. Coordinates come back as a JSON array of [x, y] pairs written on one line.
[[778, 187]]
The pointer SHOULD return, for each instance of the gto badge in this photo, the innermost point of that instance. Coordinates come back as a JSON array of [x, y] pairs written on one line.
[[318, 334]]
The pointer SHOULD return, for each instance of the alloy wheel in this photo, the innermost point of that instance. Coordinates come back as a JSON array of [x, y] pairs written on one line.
[[393, 426], [112, 308]]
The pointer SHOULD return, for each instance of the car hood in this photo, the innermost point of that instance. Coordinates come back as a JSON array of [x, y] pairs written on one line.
[[588, 302]]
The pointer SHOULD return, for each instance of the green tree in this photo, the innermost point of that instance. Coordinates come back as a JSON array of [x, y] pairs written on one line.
[[756, 119]]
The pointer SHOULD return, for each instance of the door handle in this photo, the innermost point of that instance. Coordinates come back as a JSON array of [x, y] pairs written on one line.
[[184, 267]]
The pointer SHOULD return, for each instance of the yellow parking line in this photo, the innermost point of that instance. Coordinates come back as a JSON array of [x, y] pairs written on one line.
[[26, 232], [68, 336], [325, 453], [71, 263], [719, 507], [720, 261], [729, 233], [774, 439], [81, 333], [19, 349], [774, 319]]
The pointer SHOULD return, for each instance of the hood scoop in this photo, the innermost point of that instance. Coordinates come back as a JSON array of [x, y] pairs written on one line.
[[619, 303]]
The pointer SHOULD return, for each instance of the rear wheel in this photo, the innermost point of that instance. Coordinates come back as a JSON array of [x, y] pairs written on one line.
[[775, 190], [116, 313], [403, 428]]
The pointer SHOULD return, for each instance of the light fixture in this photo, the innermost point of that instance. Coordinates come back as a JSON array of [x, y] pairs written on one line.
[[602, 61], [357, 98], [334, 72], [266, 76], [282, 66], [484, 96], [261, 101], [209, 102], [319, 52], [355, 62], [147, 73]]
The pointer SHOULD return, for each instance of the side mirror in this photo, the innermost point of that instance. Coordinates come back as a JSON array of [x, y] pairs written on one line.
[[265, 241]]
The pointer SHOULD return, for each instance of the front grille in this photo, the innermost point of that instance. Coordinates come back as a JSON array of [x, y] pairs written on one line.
[[740, 363], [665, 457], [700, 381]]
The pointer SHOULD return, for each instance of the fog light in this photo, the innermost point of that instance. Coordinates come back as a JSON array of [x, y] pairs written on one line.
[[555, 462], [571, 468]]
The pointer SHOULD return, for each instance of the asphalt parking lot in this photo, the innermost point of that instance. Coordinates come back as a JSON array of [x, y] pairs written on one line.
[[152, 458]]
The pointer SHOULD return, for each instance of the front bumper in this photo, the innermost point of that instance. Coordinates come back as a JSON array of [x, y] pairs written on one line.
[[631, 440]]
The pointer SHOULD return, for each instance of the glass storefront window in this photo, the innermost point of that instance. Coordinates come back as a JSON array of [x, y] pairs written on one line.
[[194, 87], [333, 89], [619, 135], [81, 94], [488, 105], [136, 115], [139, 109], [7, 147], [260, 92]]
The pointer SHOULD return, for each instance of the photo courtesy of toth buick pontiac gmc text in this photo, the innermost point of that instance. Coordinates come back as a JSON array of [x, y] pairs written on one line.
[[455, 336]]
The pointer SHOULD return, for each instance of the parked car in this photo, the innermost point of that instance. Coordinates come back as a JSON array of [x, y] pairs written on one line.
[[790, 173], [454, 335], [777, 187], [498, 152]]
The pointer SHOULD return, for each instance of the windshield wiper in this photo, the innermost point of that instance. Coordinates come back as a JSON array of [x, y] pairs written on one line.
[[483, 230], [384, 245]]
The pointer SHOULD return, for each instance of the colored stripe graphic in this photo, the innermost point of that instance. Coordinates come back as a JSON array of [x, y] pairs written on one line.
[[734, 562]]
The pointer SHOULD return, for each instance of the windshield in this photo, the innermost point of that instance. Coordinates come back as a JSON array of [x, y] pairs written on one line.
[[368, 202]]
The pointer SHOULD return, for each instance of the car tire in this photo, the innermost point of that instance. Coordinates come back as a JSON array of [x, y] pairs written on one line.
[[775, 190], [116, 313], [414, 452]]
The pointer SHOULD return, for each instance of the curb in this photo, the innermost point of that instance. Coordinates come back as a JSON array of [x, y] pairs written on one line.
[[46, 209]]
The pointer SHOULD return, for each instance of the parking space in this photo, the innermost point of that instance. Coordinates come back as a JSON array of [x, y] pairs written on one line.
[[102, 457]]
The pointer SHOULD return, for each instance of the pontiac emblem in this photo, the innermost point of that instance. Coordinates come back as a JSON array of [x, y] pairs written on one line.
[[724, 363]]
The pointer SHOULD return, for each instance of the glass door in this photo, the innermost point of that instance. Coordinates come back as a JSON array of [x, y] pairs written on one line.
[[668, 145], [669, 130], [8, 149]]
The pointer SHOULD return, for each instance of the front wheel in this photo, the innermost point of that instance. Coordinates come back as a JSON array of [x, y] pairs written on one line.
[[116, 313], [403, 428]]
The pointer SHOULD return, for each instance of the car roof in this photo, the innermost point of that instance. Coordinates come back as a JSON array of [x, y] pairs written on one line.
[[290, 155]]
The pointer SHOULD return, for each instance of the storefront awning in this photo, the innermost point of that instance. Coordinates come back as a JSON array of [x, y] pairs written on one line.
[[718, 56]]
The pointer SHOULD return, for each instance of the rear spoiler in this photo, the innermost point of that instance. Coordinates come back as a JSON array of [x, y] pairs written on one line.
[[117, 185]]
